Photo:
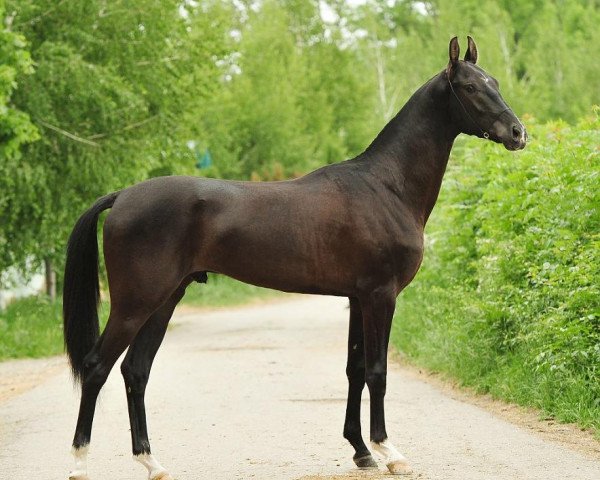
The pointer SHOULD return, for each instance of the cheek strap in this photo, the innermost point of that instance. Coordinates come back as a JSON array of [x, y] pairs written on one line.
[[484, 133]]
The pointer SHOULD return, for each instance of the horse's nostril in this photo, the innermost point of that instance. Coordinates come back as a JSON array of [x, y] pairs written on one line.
[[516, 131]]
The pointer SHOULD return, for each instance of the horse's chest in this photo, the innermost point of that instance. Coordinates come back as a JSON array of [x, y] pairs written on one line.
[[405, 256]]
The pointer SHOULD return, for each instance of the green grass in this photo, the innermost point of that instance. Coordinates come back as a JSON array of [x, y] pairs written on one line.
[[32, 327], [221, 291]]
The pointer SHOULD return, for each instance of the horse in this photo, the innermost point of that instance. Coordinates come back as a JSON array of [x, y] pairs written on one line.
[[351, 229]]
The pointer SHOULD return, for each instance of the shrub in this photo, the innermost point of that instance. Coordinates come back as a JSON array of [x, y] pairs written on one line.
[[508, 299]]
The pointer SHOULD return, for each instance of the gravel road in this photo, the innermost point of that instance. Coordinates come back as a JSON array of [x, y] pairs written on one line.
[[259, 392]]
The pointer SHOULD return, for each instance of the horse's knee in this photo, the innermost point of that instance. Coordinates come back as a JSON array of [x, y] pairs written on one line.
[[135, 379], [355, 373], [355, 370], [376, 379]]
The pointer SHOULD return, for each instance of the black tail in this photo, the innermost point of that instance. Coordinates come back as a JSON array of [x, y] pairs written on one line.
[[81, 291]]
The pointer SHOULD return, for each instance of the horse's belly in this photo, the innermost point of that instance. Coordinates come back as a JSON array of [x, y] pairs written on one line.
[[279, 262], [287, 240], [280, 254]]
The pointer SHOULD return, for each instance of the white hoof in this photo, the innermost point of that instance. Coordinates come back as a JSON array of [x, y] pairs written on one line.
[[399, 467], [80, 455], [155, 469], [396, 463], [162, 476]]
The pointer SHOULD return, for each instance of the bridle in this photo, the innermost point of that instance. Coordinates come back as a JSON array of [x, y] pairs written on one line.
[[485, 133]]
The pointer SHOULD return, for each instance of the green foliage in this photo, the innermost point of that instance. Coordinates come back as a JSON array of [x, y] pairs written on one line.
[[508, 299], [31, 327], [272, 88], [547, 75], [290, 99], [110, 87], [221, 291], [16, 130]]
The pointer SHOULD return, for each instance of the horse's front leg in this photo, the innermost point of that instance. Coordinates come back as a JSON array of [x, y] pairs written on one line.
[[355, 371], [378, 310]]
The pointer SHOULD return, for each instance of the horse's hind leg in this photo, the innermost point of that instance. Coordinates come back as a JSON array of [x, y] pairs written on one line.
[[136, 370], [98, 364], [130, 309], [355, 371]]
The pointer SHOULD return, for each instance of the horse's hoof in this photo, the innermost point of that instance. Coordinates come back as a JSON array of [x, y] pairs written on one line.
[[366, 461], [78, 477], [399, 467], [162, 476]]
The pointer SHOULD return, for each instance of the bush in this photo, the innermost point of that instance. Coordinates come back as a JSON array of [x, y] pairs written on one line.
[[31, 327], [508, 299]]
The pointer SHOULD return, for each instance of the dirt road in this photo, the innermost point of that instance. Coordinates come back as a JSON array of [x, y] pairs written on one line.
[[259, 392]]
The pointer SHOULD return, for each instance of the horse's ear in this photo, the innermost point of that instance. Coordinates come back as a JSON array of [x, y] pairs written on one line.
[[453, 51], [471, 55]]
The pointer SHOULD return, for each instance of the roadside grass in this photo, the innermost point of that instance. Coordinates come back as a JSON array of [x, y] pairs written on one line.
[[32, 327], [222, 291], [441, 336]]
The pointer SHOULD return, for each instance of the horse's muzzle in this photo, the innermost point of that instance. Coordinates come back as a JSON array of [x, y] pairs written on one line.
[[517, 138]]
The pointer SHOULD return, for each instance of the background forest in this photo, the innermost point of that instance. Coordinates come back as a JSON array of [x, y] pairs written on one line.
[[97, 95]]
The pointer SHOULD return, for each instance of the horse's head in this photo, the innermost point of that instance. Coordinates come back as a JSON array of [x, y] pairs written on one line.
[[476, 106]]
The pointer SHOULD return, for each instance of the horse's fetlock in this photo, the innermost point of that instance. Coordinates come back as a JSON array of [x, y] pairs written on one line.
[[141, 448]]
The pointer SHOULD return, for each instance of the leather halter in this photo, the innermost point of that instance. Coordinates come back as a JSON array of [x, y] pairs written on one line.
[[485, 133]]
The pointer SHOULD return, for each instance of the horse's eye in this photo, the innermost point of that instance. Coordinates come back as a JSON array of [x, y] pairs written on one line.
[[470, 88]]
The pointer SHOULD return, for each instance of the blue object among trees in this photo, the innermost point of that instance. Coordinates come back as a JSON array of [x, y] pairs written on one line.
[[205, 160]]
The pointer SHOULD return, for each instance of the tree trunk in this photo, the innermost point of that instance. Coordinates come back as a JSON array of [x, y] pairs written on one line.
[[50, 279]]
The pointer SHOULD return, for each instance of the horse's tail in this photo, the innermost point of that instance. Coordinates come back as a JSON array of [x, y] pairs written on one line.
[[81, 290]]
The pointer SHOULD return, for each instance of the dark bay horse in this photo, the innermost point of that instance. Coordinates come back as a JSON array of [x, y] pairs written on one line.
[[352, 229]]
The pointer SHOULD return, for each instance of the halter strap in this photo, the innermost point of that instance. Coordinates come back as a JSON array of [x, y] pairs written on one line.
[[485, 133]]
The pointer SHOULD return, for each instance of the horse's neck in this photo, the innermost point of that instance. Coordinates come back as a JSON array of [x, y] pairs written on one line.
[[411, 153]]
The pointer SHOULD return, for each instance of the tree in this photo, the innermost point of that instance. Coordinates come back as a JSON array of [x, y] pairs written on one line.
[[291, 98], [107, 95], [556, 74], [16, 130]]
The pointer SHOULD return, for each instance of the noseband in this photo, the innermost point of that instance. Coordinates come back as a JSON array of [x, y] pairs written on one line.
[[485, 133]]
